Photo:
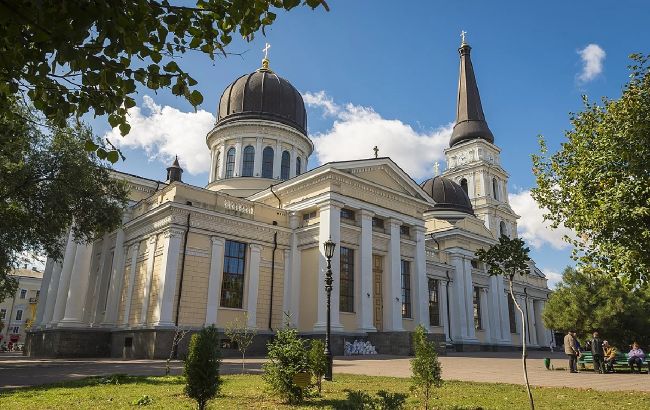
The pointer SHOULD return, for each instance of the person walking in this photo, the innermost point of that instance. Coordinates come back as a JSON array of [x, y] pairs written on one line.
[[595, 344], [571, 351], [635, 356], [609, 356]]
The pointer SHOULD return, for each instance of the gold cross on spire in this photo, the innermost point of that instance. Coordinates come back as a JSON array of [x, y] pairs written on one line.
[[376, 151], [265, 60], [463, 33]]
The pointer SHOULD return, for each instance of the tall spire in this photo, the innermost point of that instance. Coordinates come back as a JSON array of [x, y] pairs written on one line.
[[470, 120]]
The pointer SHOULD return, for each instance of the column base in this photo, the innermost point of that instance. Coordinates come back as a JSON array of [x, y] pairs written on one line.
[[321, 327], [163, 325], [71, 323], [370, 329]]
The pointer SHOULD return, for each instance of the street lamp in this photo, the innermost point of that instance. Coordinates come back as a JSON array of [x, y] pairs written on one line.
[[329, 252]]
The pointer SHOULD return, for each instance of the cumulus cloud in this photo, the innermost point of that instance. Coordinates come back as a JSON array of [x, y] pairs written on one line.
[[553, 277], [164, 131], [592, 58], [357, 129], [532, 227]]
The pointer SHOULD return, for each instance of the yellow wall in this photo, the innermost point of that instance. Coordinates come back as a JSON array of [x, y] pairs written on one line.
[[308, 289]]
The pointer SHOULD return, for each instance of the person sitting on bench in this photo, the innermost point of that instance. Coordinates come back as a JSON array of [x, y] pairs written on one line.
[[610, 356], [635, 356]]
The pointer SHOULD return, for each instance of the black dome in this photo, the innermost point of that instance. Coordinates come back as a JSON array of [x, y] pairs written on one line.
[[449, 196], [263, 95]]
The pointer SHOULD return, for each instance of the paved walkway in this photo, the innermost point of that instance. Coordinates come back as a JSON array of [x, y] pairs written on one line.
[[19, 371]]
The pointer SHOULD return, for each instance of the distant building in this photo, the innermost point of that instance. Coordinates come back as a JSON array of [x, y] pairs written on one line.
[[18, 312]]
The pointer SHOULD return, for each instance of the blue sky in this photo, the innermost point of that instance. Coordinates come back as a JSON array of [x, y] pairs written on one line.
[[393, 67]]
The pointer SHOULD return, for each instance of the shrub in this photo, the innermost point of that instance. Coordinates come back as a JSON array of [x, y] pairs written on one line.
[[202, 366], [287, 357], [427, 372], [239, 332], [317, 361], [359, 400]]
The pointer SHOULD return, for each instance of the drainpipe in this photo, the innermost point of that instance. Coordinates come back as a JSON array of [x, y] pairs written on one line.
[[448, 314], [180, 285], [275, 195], [275, 247]]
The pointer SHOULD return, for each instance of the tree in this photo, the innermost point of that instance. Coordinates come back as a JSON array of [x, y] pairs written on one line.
[[46, 180], [598, 183], [74, 57], [427, 372], [202, 366], [317, 361], [508, 258], [287, 356], [586, 301], [238, 332], [179, 334]]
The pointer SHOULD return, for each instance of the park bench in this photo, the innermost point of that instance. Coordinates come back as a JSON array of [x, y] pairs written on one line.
[[621, 360]]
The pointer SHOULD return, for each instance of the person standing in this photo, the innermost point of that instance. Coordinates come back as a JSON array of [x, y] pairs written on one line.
[[610, 356], [596, 346], [571, 351], [635, 356]]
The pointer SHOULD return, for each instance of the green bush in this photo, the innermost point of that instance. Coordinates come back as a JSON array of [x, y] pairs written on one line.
[[202, 366], [317, 361], [287, 357], [427, 372], [359, 400]]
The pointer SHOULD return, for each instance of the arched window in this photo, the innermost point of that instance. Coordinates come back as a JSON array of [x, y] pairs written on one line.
[[267, 163], [249, 161], [502, 229], [230, 163], [495, 189], [284, 165], [218, 165], [298, 170], [463, 184]]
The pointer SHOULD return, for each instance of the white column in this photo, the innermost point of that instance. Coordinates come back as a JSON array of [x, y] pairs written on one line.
[[115, 282], [277, 160], [486, 313], [135, 249], [214, 281], [393, 279], [503, 297], [167, 283], [94, 304], [221, 160], [329, 228], [532, 322], [365, 305], [78, 290], [64, 283], [286, 286], [420, 281], [213, 163], [520, 326], [257, 166], [296, 269], [469, 299], [458, 305], [496, 314], [253, 284], [239, 156], [442, 297], [52, 289], [146, 291], [42, 298], [292, 163]]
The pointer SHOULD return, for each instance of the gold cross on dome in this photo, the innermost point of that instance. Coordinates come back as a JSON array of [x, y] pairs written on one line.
[[463, 33], [376, 151]]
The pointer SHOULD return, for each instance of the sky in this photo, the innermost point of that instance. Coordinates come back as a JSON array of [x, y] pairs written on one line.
[[385, 73]]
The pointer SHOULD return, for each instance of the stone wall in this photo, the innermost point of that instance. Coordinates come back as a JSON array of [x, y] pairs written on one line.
[[68, 343]]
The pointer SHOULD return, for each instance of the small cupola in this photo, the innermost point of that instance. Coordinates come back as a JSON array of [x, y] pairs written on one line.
[[174, 172]]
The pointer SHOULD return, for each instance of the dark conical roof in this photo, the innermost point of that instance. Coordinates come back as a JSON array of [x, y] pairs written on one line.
[[448, 195], [174, 171], [470, 120], [263, 94]]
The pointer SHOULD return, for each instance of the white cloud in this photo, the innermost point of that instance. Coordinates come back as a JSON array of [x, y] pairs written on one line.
[[592, 58], [164, 131], [532, 227], [357, 129], [553, 277]]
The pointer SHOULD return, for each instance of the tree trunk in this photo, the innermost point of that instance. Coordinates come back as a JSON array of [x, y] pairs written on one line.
[[523, 344], [243, 362]]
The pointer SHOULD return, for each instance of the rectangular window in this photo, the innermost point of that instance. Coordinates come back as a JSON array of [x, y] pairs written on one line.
[[15, 330], [346, 300], [511, 314], [347, 214], [434, 304], [38, 292], [19, 314], [311, 215], [232, 287], [406, 289], [23, 293], [378, 223], [3, 314], [478, 325], [404, 230]]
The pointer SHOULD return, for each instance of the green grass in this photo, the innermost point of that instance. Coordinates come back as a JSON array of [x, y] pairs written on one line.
[[249, 391]]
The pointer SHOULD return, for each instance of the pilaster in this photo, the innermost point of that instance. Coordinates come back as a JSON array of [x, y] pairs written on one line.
[[163, 312], [214, 281], [253, 284], [115, 282], [151, 251], [365, 297], [329, 228], [78, 290], [239, 156], [135, 249], [64, 284], [296, 261], [393, 278], [420, 281]]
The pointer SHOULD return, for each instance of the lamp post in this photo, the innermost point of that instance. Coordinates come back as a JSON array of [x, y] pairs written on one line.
[[329, 252]]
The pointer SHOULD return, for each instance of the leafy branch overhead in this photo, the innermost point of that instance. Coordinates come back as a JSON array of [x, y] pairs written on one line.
[[70, 58], [509, 257]]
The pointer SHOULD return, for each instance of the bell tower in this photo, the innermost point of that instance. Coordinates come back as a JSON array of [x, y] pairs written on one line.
[[473, 161]]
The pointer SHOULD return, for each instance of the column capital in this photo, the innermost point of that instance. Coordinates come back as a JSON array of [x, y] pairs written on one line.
[[395, 222], [419, 229], [173, 232], [335, 205], [152, 239], [366, 213], [217, 241], [255, 247]]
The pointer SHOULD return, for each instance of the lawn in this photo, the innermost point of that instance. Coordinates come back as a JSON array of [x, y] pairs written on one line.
[[249, 391]]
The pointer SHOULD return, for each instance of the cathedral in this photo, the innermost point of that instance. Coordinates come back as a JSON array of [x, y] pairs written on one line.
[[249, 245]]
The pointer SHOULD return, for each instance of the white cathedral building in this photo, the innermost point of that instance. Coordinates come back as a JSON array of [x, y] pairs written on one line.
[[249, 244]]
